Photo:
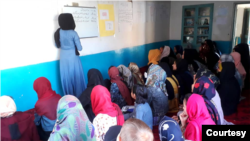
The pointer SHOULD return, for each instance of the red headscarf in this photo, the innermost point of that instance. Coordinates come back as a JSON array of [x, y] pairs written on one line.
[[101, 104], [115, 78], [47, 98]]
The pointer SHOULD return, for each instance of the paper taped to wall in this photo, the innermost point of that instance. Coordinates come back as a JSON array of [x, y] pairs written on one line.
[[125, 16]]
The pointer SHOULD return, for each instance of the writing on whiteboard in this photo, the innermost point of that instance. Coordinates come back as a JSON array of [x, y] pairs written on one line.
[[85, 15]]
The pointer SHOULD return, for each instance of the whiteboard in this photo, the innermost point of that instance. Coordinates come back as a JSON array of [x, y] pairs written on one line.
[[85, 20]]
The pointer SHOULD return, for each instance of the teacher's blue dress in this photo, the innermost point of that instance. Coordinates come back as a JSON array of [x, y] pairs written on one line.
[[71, 71]]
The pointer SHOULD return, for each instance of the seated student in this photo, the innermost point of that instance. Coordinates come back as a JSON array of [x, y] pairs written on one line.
[[94, 78], [113, 133], [236, 56], [142, 109], [195, 115], [205, 87], [190, 55], [153, 58], [135, 130], [157, 93], [184, 77], [205, 72], [216, 99], [72, 122], [229, 89], [119, 92], [178, 50], [18, 126], [107, 113], [45, 108], [209, 55], [167, 56], [126, 74], [107, 83], [137, 76], [169, 129], [172, 86], [229, 58]]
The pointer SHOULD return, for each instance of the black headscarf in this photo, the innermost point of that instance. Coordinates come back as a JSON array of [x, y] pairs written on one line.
[[182, 66], [211, 45], [172, 54], [112, 133], [243, 50], [169, 86], [166, 67], [66, 22], [94, 78], [107, 83], [229, 89], [179, 49], [190, 55], [184, 78]]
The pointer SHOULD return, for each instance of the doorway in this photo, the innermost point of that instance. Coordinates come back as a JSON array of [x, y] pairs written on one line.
[[242, 24]]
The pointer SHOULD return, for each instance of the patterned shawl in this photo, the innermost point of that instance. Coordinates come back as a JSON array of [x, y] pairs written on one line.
[[136, 73], [126, 75], [72, 122], [206, 72], [205, 87], [156, 78]]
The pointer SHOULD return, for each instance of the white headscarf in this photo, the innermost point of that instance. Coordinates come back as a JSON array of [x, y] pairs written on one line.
[[165, 52], [7, 106]]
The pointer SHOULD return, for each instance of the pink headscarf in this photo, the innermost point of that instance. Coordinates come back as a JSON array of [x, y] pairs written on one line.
[[238, 65], [7, 106], [197, 116], [165, 52]]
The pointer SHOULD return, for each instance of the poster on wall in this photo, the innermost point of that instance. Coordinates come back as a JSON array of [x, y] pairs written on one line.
[[221, 16], [125, 16], [106, 18], [139, 10]]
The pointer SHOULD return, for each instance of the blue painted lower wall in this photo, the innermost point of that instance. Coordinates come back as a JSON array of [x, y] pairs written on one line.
[[18, 82]]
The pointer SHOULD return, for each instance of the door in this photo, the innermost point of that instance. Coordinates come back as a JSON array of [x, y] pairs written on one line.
[[245, 28]]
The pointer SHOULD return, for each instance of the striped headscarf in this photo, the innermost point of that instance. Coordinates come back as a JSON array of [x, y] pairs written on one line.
[[156, 78], [136, 73], [72, 122]]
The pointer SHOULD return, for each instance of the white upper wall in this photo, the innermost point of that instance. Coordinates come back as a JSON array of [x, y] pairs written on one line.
[[27, 30], [219, 32]]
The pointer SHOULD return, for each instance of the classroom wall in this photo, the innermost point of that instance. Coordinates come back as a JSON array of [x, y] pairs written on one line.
[[28, 50], [221, 33]]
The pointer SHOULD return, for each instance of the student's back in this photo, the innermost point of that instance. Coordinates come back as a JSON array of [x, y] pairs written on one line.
[[19, 127]]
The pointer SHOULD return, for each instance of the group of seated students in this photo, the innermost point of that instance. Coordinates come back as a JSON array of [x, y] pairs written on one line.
[[199, 87]]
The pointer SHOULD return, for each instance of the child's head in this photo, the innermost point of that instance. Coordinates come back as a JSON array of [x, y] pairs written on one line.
[[139, 93], [185, 102]]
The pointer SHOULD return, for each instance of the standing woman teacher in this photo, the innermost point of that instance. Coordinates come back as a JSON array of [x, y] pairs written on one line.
[[71, 71]]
